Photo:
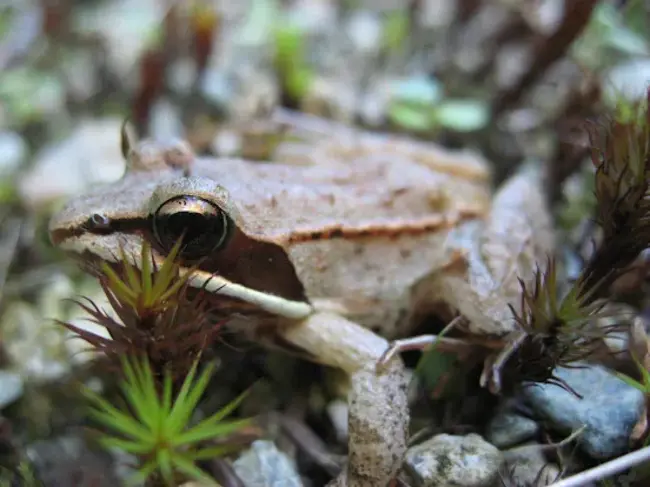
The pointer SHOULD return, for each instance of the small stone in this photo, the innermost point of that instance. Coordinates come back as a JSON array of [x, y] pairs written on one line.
[[166, 123], [13, 151], [507, 428], [609, 408], [462, 461], [418, 90], [11, 387], [527, 465], [365, 30], [263, 465], [90, 155], [216, 86], [69, 460], [630, 79]]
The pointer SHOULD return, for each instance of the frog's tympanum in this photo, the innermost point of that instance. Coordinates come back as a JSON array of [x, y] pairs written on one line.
[[339, 243]]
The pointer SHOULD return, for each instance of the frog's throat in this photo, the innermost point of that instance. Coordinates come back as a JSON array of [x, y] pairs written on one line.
[[276, 305]]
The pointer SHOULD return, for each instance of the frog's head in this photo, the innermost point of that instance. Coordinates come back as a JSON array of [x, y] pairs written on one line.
[[157, 201]]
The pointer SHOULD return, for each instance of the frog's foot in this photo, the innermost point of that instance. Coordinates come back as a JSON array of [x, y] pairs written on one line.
[[493, 367], [421, 343], [378, 415]]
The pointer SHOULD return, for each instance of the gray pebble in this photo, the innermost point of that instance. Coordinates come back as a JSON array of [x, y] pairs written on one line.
[[508, 428], [461, 461], [609, 409], [263, 465], [11, 387]]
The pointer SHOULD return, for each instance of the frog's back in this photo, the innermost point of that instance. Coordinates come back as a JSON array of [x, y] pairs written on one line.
[[362, 219], [356, 183]]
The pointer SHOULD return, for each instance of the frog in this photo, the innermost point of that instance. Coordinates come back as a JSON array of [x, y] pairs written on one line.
[[336, 243]]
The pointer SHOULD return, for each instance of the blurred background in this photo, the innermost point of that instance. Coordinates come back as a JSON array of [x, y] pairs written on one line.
[[513, 79]]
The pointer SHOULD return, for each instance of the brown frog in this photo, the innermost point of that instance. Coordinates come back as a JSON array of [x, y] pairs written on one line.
[[340, 244]]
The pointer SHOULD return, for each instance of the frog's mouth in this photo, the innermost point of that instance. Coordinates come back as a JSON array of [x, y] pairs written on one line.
[[92, 251]]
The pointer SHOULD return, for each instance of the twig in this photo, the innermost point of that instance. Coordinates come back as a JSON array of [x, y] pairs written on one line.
[[606, 469], [576, 18]]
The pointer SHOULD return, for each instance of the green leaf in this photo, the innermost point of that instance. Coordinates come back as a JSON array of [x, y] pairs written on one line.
[[164, 461], [121, 290], [180, 412], [122, 423], [412, 118], [132, 447], [228, 408], [299, 81], [188, 468], [133, 281], [111, 416], [396, 29], [289, 45], [462, 115], [203, 431], [146, 273], [143, 473], [631, 382], [138, 394]]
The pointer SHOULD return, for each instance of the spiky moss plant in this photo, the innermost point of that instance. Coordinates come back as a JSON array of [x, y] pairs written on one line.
[[559, 330], [156, 315], [160, 332], [155, 428]]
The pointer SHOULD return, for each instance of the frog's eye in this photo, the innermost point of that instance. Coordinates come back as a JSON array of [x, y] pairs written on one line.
[[202, 225]]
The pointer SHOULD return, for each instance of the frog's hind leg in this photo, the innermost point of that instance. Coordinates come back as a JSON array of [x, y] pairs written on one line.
[[378, 415]]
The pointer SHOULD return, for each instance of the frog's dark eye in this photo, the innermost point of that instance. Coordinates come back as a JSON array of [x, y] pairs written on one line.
[[202, 225], [98, 222]]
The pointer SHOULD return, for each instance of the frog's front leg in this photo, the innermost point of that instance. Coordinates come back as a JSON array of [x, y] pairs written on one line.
[[378, 415]]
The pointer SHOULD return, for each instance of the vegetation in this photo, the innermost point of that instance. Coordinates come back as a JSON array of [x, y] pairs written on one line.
[[156, 428]]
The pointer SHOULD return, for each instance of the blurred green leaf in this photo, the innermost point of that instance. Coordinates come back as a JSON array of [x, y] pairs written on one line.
[[409, 117], [462, 115], [396, 29]]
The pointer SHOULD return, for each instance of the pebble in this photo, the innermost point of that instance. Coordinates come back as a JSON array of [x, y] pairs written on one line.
[[263, 465], [68, 460], [527, 465], [90, 155], [609, 409], [11, 387], [13, 151], [461, 461], [630, 78], [507, 428]]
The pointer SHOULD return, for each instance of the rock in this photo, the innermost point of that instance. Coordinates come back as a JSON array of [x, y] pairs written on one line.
[[11, 387], [609, 409], [40, 349], [13, 151], [365, 30], [527, 465], [166, 123], [630, 79], [69, 460], [507, 428], [33, 346], [263, 465], [128, 32], [462, 461], [90, 155]]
